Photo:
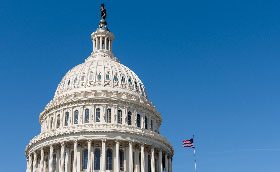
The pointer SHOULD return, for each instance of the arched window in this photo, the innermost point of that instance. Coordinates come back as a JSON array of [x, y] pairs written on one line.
[[138, 120], [129, 81], [58, 121], [129, 118], [123, 80], [97, 159], [99, 77], [116, 78], [86, 119], [66, 118], [108, 76], [108, 116], [97, 115], [121, 153], [119, 116], [76, 117], [85, 159], [109, 159], [146, 122]]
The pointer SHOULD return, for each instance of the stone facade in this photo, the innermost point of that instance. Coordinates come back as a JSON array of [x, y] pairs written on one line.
[[100, 119]]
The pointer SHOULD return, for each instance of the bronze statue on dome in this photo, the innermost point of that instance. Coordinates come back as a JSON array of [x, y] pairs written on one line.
[[103, 11]]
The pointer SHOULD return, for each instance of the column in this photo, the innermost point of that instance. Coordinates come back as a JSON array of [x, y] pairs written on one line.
[[67, 158], [170, 164], [79, 159], [117, 164], [142, 121], [142, 158], [42, 160], [89, 157], [106, 38], [130, 169], [109, 45], [100, 43], [57, 167], [153, 159], [51, 159], [136, 159], [160, 160], [62, 157], [166, 163], [103, 160], [34, 161], [75, 156], [29, 167]]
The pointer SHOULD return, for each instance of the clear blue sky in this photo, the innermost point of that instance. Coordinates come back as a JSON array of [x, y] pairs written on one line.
[[211, 68]]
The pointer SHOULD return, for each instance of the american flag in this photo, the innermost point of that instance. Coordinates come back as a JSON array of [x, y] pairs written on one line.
[[188, 143]]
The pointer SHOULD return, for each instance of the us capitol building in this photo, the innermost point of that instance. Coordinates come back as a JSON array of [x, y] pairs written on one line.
[[100, 119]]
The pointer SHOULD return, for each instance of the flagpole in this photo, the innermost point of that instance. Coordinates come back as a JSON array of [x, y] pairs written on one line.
[[194, 155]]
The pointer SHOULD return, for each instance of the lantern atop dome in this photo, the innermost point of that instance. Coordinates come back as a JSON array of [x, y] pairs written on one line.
[[102, 38]]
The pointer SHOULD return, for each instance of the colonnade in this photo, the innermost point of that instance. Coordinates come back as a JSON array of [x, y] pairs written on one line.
[[102, 43], [70, 157]]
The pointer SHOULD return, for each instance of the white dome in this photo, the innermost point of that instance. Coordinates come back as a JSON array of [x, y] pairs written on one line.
[[100, 72], [99, 106]]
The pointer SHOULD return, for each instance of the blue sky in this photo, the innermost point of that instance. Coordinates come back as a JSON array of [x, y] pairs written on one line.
[[210, 67]]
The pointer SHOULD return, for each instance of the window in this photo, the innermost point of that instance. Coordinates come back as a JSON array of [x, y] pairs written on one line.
[[129, 118], [119, 117], [107, 76], [97, 115], [138, 121], [108, 116], [58, 121], [152, 125], [121, 153], [85, 159], [66, 118], [86, 116], [97, 159], [129, 81], [115, 78], [123, 79], [136, 86], [146, 122], [99, 77], [76, 117], [109, 159]]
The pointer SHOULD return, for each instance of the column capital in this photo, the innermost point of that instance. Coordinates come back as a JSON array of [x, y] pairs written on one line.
[[89, 141], [62, 143]]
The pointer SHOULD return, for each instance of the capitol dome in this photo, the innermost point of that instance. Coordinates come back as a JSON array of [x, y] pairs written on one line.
[[100, 119]]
